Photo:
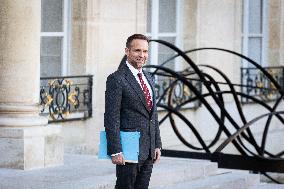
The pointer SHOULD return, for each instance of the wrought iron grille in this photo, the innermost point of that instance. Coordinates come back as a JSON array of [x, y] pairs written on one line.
[[169, 86], [66, 98], [256, 84]]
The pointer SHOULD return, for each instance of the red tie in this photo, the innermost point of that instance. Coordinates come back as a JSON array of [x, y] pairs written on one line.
[[146, 91]]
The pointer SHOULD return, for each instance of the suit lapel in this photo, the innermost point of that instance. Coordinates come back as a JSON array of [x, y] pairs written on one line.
[[134, 84]]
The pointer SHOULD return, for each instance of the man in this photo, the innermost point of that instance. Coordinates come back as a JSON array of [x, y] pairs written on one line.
[[130, 106]]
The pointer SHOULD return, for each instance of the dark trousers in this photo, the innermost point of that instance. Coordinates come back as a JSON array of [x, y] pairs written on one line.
[[134, 175]]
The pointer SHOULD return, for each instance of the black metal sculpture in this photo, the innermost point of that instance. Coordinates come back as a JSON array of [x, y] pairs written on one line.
[[251, 155]]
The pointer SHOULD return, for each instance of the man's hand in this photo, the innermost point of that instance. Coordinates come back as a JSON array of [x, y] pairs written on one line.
[[118, 159], [157, 155]]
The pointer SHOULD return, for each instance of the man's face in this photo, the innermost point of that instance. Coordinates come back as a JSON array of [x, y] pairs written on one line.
[[137, 54]]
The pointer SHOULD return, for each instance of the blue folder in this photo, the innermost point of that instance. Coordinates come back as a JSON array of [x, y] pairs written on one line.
[[129, 142]]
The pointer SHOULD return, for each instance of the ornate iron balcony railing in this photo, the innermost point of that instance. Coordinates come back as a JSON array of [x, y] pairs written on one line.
[[257, 85], [170, 89], [66, 98]]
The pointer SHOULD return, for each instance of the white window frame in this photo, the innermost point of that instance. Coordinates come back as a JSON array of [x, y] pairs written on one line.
[[246, 35], [155, 34], [66, 42]]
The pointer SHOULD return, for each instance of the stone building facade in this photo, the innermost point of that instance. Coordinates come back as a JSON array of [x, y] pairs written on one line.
[[81, 37]]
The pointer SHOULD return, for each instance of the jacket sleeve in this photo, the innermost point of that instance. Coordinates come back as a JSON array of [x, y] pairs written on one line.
[[113, 96], [158, 142]]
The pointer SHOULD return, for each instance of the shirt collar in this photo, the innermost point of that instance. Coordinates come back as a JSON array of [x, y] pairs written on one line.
[[132, 69]]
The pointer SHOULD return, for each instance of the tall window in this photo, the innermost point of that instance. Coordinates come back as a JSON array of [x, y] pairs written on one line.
[[55, 17], [255, 31], [163, 22]]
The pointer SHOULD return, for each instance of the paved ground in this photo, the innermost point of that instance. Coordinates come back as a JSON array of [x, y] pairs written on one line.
[[78, 171], [87, 172]]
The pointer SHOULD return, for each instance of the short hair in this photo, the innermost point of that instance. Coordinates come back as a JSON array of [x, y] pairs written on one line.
[[135, 36]]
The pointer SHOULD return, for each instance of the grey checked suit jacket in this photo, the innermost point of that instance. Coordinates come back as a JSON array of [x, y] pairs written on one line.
[[126, 110]]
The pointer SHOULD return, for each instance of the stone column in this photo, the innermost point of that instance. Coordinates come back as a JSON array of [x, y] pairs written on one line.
[[26, 141]]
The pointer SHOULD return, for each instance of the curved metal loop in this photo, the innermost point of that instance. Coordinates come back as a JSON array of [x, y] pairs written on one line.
[[243, 128]]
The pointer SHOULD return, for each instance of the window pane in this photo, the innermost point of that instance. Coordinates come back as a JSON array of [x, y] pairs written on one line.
[[52, 16], [243, 16], [51, 56], [165, 53], [255, 16], [167, 16], [149, 15], [254, 49]]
